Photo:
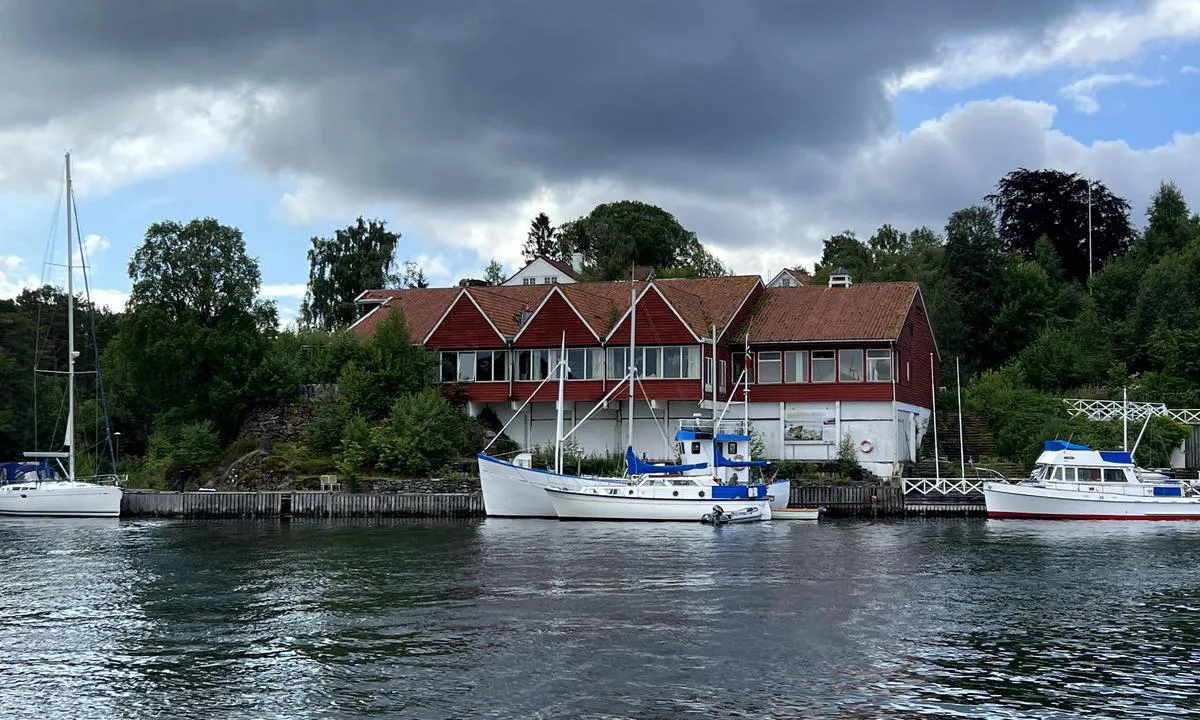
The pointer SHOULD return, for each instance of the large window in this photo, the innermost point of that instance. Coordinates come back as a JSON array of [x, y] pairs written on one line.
[[656, 363], [529, 281], [850, 365], [585, 364], [824, 366], [769, 370], [474, 366], [795, 366], [536, 364], [879, 365]]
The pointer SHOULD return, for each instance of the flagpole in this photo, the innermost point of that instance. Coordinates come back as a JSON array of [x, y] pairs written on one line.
[[746, 384], [962, 452]]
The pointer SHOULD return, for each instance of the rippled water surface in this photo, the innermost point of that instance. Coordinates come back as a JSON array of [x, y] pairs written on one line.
[[106, 619]]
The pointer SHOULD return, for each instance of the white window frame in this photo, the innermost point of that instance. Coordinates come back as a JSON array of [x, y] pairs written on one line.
[[842, 366], [529, 281], [774, 357], [813, 360], [879, 354]]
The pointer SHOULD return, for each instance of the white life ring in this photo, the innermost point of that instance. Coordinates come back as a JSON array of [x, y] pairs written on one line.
[[866, 446]]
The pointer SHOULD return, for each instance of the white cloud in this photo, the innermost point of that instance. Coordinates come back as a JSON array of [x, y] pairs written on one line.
[[114, 300], [1083, 92], [294, 291], [14, 278], [94, 244], [1088, 39], [123, 141], [908, 180], [1189, 70]]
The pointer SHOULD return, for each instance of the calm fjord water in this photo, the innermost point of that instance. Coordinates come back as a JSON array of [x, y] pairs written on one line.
[[106, 619]]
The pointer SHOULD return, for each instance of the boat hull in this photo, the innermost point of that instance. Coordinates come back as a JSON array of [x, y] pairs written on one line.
[[576, 505], [514, 491], [795, 513], [1030, 501], [60, 499]]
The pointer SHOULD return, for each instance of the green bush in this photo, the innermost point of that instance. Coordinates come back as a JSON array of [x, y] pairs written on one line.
[[423, 432]]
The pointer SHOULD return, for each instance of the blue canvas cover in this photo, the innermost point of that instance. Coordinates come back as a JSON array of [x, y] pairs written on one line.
[[723, 461], [637, 467], [1053, 445]]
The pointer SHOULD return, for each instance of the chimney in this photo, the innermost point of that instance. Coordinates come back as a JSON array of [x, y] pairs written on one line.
[[577, 261], [839, 278]]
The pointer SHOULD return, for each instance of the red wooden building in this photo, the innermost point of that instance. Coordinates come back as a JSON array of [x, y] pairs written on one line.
[[829, 363]]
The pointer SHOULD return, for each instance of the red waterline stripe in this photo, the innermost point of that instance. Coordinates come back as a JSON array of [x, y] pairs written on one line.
[[1039, 516]]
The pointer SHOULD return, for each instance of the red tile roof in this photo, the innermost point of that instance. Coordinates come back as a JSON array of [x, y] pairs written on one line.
[[503, 305], [422, 308], [867, 311]]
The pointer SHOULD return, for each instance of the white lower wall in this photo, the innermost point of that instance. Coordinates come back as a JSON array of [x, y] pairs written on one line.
[[880, 434]]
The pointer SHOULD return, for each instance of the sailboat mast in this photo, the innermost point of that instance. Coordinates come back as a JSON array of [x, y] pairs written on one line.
[[558, 431], [70, 330], [632, 340]]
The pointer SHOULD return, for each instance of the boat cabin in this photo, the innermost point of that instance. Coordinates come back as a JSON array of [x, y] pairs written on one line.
[[1062, 461], [716, 448]]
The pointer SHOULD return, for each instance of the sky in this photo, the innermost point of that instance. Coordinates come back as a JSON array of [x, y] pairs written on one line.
[[764, 126]]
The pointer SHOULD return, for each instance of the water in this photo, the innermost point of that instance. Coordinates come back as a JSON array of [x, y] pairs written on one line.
[[528, 619]]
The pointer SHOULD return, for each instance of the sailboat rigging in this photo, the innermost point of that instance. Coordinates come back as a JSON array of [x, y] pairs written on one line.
[[39, 490]]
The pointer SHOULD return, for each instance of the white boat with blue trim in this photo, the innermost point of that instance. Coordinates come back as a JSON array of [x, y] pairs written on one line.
[[685, 492], [1072, 481]]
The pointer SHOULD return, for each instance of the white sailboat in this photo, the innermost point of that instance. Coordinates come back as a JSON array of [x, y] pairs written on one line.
[[44, 492]]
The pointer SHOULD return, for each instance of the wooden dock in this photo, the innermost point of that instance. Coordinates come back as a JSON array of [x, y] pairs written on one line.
[[854, 501], [249, 505]]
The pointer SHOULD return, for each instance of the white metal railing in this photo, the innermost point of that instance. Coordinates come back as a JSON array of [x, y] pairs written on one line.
[[941, 486], [1138, 411]]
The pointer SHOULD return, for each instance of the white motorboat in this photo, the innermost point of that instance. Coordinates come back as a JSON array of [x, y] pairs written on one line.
[[41, 490], [796, 513], [1073, 481], [677, 498]]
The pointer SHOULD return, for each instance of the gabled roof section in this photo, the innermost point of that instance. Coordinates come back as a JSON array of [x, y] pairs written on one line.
[[556, 292], [601, 304], [705, 302], [463, 294], [868, 311], [422, 308], [503, 305]]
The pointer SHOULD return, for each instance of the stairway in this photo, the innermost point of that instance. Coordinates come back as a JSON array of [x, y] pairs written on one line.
[[978, 442]]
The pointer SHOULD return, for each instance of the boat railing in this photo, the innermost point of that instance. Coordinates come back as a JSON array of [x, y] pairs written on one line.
[[708, 425], [109, 479], [1139, 489]]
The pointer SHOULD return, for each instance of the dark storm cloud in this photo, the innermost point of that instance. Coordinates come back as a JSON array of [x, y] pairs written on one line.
[[456, 102]]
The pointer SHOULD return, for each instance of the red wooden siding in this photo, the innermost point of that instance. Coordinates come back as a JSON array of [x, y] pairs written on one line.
[[594, 390], [657, 324], [545, 329], [915, 345], [488, 391], [464, 328]]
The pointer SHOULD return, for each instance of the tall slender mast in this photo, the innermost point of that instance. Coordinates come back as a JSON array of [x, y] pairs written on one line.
[[1089, 182], [632, 338], [558, 431], [70, 331], [937, 468]]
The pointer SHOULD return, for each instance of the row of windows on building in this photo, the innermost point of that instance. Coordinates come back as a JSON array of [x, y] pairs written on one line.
[[667, 363], [548, 280], [659, 363], [819, 366]]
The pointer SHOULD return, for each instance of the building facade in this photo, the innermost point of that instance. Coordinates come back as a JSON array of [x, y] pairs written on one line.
[[547, 271], [827, 365]]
